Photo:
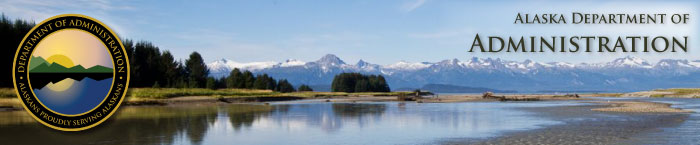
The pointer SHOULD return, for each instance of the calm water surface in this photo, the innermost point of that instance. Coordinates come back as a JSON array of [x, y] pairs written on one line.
[[70, 96], [687, 132], [310, 123], [288, 123]]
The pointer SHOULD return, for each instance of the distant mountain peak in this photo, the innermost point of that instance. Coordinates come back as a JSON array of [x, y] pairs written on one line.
[[292, 62], [226, 65], [362, 63], [621, 74], [454, 61], [674, 63], [330, 59], [404, 65], [630, 61]]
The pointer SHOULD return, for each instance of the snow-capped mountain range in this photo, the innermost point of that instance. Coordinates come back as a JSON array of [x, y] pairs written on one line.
[[619, 75]]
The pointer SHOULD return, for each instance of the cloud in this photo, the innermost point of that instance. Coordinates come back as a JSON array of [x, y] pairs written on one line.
[[38, 10], [215, 44], [410, 6], [444, 34]]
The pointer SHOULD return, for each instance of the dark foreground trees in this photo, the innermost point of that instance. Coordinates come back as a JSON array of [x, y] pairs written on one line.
[[150, 67], [356, 82], [304, 88], [246, 80], [197, 70], [11, 34], [285, 87]]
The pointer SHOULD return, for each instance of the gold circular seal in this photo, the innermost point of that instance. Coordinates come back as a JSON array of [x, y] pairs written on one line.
[[71, 72]]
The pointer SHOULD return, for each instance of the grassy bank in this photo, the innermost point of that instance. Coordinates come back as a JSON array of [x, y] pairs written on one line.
[[7, 93], [660, 93], [8, 98], [603, 95], [158, 96], [681, 91], [164, 93], [678, 92]]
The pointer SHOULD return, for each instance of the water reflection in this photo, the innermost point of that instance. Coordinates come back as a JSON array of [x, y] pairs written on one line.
[[306, 123], [68, 93], [358, 110], [243, 115], [133, 125], [685, 133]]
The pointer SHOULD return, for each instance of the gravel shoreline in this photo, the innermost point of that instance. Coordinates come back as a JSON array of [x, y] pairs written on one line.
[[582, 125], [640, 107]]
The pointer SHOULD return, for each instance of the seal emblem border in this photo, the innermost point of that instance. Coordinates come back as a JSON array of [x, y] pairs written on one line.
[[85, 120]]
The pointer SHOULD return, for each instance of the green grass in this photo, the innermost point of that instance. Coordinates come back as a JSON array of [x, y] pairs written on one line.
[[681, 91], [163, 93], [657, 95], [331, 94], [8, 93], [187, 111]]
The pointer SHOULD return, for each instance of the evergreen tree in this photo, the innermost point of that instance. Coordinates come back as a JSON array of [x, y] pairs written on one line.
[[260, 82], [264, 82], [182, 77], [211, 83], [146, 67], [284, 86], [271, 83], [248, 79], [234, 79], [356, 82], [221, 83], [304, 88], [198, 71], [155, 85], [362, 86], [150, 66], [11, 34], [169, 69], [381, 85], [343, 83]]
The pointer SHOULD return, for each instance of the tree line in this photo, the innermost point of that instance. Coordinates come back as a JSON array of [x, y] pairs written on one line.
[[356, 82], [150, 67], [11, 34]]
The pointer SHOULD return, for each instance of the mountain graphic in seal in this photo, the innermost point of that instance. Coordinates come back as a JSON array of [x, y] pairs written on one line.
[[40, 65]]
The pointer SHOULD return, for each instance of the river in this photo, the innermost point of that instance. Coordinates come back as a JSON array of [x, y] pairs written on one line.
[[316, 122]]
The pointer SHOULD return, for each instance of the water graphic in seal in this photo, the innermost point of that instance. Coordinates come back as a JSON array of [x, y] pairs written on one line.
[[71, 71]]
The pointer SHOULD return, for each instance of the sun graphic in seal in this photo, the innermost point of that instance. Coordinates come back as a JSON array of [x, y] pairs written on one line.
[[60, 59], [71, 72]]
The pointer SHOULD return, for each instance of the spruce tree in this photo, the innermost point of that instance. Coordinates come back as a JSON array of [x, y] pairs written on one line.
[[234, 79], [248, 80], [304, 88], [211, 83], [356, 82], [284, 86], [198, 71], [11, 34]]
